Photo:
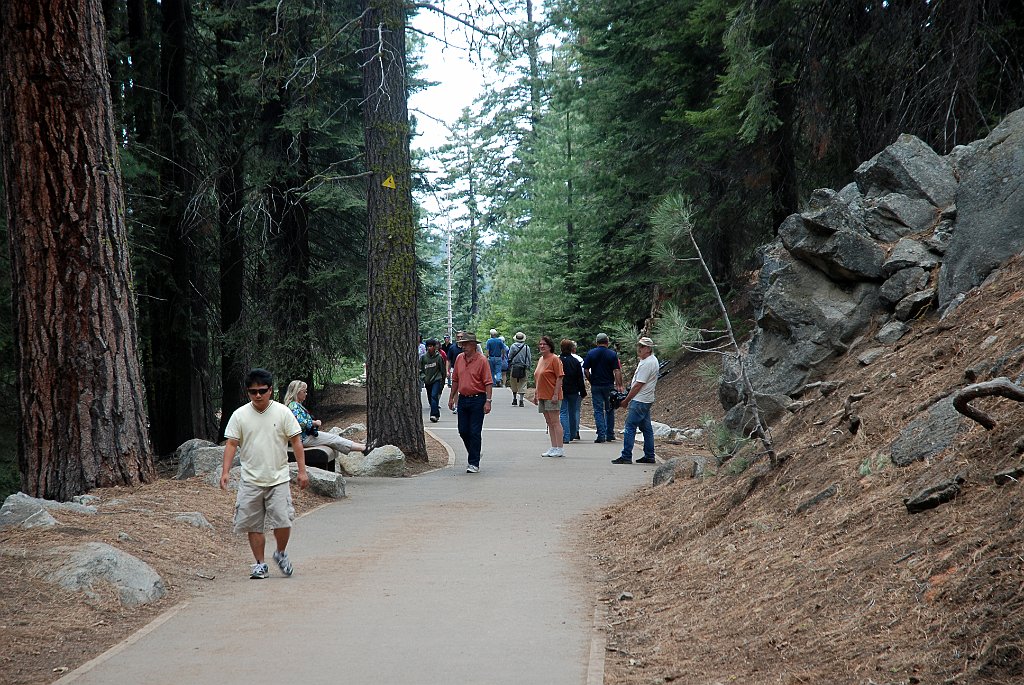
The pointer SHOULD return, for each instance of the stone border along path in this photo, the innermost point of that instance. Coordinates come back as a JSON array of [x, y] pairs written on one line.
[[447, 578]]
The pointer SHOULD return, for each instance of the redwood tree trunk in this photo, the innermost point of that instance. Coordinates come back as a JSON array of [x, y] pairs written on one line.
[[393, 393], [82, 417]]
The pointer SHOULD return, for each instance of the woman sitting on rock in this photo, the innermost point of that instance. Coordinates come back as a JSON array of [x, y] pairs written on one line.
[[311, 435]]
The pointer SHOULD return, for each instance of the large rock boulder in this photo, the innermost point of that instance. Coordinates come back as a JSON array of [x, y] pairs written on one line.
[[86, 568], [989, 225], [324, 483], [928, 434], [21, 511], [908, 167], [844, 255], [386, 461], [804, 318], [201, 460]]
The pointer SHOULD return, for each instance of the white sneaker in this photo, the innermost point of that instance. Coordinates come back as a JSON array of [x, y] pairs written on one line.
[[549, 453], [472, 469], [557, 452]]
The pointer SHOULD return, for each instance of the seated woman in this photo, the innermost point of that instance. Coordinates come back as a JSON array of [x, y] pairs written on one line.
[[311, 435]]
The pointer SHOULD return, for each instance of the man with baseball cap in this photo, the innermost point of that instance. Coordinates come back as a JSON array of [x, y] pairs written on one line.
[[639, 400]]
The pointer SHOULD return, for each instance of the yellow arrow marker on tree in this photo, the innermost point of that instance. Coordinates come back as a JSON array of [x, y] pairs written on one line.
[[389, 182]]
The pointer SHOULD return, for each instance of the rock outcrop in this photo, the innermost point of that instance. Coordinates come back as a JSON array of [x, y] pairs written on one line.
[[912, 235]]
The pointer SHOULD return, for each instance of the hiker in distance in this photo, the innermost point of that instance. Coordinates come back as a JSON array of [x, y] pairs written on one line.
[[258, 432], [519, 362], [548, 376], [472, 384], [311, 435], [496, 350], [601, 367], [639, 400], [433, 371]]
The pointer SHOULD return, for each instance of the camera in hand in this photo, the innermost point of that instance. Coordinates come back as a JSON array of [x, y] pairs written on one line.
[[615, 398]]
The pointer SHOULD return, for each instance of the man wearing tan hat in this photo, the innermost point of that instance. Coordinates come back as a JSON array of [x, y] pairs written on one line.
[[639, 400], [472, 383]]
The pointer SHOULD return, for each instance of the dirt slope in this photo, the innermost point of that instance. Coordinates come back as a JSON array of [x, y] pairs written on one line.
[[729, 584]]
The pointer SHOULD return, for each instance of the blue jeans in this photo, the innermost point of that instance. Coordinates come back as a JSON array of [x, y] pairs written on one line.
[[639, 416], [604, 415], [569, 415], [495, 363], [434, 394], [471, 425]]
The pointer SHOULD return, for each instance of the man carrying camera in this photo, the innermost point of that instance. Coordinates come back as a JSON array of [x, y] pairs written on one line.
[[639, 400], [601, 367]]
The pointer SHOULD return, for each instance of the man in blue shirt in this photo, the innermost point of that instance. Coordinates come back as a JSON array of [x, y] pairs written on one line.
[[496, 350], [601, 367]]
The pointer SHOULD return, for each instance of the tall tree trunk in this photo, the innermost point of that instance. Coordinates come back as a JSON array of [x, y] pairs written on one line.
[[393, 393], [82, 416]]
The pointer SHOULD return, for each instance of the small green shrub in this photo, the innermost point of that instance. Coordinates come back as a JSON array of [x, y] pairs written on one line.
[[873, 464]]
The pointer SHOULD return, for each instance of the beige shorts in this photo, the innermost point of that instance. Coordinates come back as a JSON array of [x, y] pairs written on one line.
[[259, 509], [549, 405]]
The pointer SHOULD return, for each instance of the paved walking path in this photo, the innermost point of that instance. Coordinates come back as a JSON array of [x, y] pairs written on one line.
[[448, 578]]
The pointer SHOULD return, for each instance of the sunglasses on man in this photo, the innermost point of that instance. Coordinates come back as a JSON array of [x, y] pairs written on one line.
[[258, 391]]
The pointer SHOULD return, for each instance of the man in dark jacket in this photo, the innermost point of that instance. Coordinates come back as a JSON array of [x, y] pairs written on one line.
[[602, 369], [574, 389], [433, 371]]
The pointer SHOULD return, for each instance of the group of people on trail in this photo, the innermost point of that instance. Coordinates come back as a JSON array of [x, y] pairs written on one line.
[[260, 431], [561, 384]]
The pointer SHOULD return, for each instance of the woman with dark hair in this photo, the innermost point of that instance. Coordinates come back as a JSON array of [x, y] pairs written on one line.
[[548, 378], [574, 389]]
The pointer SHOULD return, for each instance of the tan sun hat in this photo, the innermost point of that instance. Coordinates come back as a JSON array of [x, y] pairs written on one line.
[[520, 336], [465, 337], [645, 341]]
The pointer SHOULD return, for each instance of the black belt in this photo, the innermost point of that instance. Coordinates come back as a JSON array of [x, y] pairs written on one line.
[[479, 394]]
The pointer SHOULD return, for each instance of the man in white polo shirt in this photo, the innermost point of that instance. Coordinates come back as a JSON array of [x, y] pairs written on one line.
[[639, 401], [259, 431]]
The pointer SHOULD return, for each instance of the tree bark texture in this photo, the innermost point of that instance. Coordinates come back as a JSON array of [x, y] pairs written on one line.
[[82, 417], [393, 389]]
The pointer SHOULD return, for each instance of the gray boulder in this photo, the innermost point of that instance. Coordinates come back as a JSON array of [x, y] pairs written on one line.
[[680, 467], [902, 283], [890, 217], [21, 511], [202, 460], [928, 434], [891, 332], [87, 567], [804, 319], [194, 519], [662, 430], [212, 478], [908, 167], [349, 430], [909, 253], [843, 255], [829, 213], [914, 305], [386, 461], [990, 210], [324, 483]]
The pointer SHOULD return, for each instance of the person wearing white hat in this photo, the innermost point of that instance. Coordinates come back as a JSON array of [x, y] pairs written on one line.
[[639, 400], [520, 360], [495, 348]]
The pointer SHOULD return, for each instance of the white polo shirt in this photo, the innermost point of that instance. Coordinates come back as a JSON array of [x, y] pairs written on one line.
[[263, 442]]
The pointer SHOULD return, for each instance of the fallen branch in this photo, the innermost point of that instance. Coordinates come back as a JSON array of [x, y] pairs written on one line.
[[998, 387]]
